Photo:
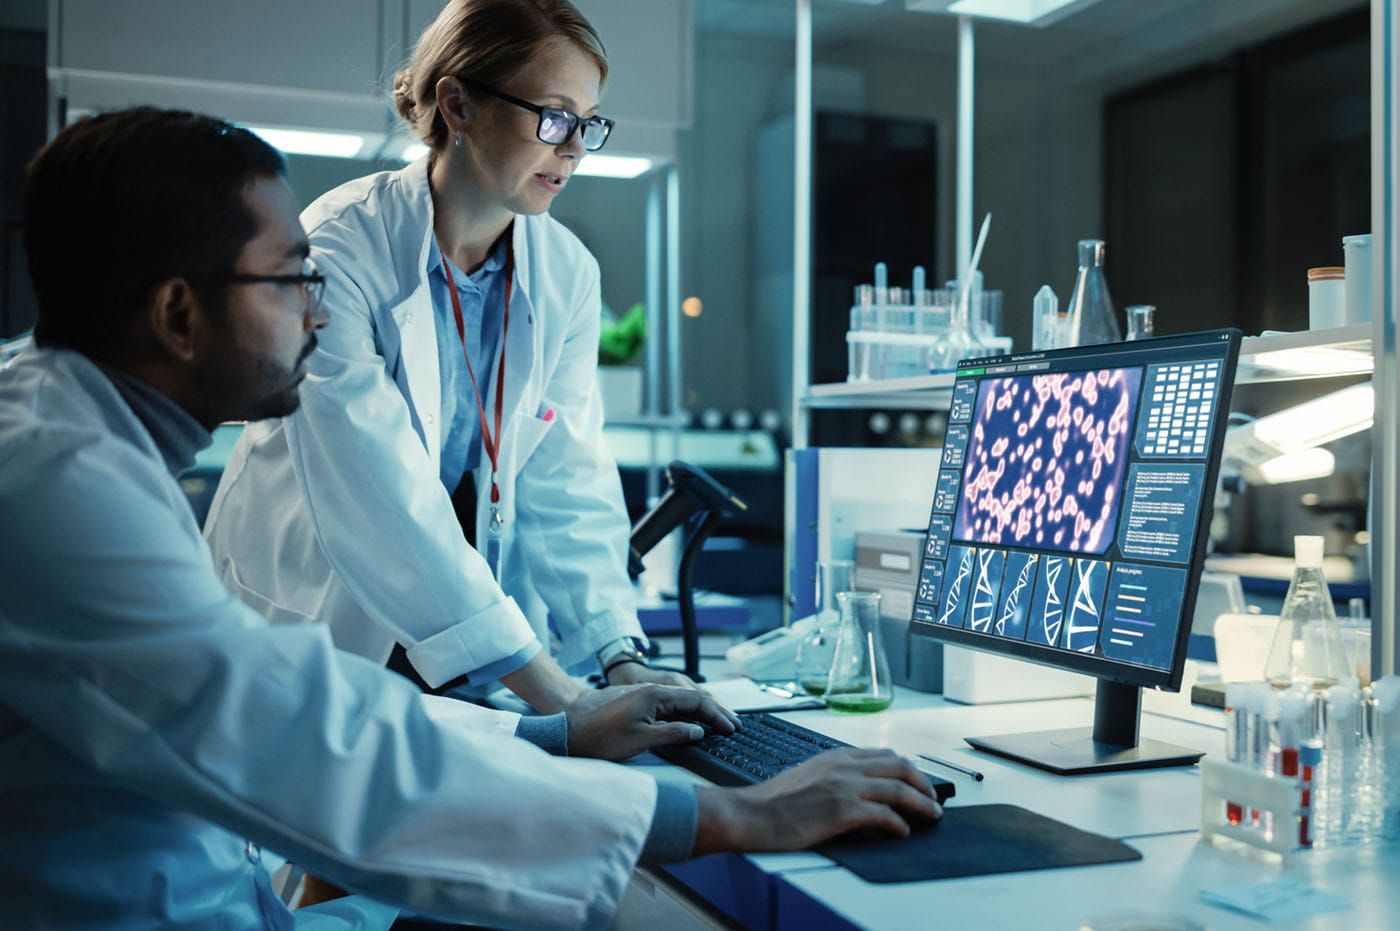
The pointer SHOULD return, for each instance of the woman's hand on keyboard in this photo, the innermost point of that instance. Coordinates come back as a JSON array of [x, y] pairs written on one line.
[[622, 721], [836, 792]]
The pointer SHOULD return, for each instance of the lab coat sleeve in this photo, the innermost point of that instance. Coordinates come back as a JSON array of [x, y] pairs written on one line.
[[118, 643], [382, 515], [571, 521]]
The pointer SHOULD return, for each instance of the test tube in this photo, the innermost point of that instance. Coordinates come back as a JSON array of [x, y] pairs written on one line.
[[1235, 712], [1257, 725], [1294, 707], [1309, 760], [1271, 750], [1385, 747], [1340, 744]]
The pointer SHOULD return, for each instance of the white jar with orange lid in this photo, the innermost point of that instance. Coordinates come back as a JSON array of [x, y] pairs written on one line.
[[1326, 297]]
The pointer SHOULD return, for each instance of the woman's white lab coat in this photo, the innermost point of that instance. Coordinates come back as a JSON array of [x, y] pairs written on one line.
[[337, 513]]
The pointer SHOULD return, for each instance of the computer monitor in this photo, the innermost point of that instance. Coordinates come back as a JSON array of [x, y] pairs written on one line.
[[1070, 519]]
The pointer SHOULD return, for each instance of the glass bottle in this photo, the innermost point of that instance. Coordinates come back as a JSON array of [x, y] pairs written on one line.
[[1045, 314], [1307, 647], [817, 649], [1091, 316], [860, 674]]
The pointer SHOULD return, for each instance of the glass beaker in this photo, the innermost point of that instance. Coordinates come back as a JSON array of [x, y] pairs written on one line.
[[817, 649], [1142, 321], [860, 675]]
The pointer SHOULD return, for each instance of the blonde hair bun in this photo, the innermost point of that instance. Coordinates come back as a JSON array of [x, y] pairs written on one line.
[[404, 103]]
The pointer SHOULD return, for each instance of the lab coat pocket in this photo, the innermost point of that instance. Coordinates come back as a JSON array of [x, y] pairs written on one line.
[[269, 609], [529, 431]]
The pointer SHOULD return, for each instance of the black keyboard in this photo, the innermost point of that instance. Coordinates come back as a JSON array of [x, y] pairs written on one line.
[[763, 746]]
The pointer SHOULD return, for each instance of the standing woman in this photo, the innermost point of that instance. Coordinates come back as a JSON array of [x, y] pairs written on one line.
[[448, 456]]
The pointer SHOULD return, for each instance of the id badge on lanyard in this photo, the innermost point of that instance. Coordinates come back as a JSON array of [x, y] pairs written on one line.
[[494, 525], [492, 442]]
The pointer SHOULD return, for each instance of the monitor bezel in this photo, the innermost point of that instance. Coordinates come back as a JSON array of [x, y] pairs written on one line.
[[1112, 670]]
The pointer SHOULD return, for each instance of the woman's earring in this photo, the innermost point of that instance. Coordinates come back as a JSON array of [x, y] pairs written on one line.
[[457, 139]]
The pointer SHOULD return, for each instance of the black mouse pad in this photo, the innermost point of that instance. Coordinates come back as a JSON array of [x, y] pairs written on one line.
[[977, 840]]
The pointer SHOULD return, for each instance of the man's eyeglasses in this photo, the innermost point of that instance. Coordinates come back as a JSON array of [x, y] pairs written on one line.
[[557, 125], [311, 282]]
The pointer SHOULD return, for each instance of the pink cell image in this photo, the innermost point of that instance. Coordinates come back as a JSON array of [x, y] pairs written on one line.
[[1018, 488]]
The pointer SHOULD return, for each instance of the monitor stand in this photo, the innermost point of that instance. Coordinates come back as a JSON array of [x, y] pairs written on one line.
[[1111, 744]]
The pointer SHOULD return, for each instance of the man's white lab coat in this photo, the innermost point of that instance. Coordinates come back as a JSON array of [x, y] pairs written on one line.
[[338, 514], [149, 722]]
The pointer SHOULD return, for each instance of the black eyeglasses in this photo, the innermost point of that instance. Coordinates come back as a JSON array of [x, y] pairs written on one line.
[[311, 282], [557, 125]]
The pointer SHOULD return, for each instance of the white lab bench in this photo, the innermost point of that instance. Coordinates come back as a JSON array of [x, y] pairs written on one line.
[[1155, 811]]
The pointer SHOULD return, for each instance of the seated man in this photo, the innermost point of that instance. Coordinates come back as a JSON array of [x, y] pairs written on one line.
[[150, 722]]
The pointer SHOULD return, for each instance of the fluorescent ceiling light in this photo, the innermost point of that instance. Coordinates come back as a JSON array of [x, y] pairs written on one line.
[[594, 166], [613, 166], [1036, 12], [1297, 466], [308, 142]]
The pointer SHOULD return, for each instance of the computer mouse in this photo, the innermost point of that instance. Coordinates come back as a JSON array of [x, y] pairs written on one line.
[[918, 824]]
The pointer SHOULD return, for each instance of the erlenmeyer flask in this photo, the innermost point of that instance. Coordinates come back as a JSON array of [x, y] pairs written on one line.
[[860, 674], [817, 649], [1091, 316], [1307, 647]]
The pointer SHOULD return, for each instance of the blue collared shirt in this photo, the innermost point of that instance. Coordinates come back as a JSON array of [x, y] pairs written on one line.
[[482, 297]]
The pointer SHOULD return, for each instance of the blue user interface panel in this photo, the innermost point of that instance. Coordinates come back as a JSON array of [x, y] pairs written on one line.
[[1071, 506]]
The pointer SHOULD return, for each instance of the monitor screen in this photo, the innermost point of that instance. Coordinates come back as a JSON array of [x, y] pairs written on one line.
[[1072, 506]]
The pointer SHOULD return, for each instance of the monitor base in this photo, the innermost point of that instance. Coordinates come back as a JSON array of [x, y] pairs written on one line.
[[1073, 751]]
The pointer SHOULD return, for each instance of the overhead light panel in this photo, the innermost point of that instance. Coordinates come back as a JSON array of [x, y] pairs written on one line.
[[1029, 12], [594, 166], [413, 151], [613, 166], [311, 142]]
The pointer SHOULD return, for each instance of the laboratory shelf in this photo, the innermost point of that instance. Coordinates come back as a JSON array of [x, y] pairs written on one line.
[[922, 392], [1306, 354], [1269, 357]]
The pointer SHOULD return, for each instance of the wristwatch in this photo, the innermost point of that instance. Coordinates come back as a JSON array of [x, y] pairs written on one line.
[[621, 650]]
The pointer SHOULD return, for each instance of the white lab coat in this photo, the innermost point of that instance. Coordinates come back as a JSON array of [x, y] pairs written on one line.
[[149, 721], [337, 513]]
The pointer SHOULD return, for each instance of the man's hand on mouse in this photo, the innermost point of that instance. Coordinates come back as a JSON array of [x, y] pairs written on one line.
[[623, 720], [836, 792]]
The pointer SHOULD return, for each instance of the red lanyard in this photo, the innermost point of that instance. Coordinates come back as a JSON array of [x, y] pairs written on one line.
[[491, 441]]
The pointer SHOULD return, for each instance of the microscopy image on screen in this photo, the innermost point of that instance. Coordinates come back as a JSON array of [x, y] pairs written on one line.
[[957, 581], [1048, 604], [1017, 588], [1045, 460]]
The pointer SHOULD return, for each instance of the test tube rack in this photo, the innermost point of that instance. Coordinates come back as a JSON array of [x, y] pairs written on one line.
[[1270, 805]]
